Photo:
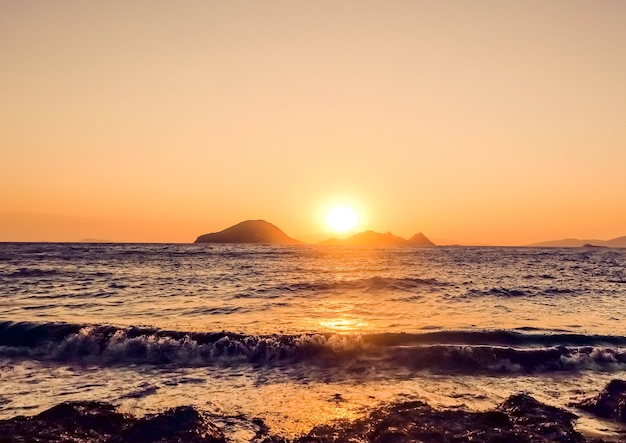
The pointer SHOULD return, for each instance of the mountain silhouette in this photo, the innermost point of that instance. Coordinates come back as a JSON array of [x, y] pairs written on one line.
[[367, 238], [619, 242], [250, 231], [420, 241], [371, 238]]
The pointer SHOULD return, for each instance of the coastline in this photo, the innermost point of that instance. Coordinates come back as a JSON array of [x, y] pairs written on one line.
[[520, 418]]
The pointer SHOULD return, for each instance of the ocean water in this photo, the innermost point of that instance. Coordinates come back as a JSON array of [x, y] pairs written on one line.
[[300, 336]]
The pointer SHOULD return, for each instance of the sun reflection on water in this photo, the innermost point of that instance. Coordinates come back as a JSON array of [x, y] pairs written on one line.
[[343, 324], [342, 313]]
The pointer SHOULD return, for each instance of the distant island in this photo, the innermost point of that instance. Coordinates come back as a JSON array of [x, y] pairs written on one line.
[[262, 232], [250, 231], [371, 238], [619, 242]]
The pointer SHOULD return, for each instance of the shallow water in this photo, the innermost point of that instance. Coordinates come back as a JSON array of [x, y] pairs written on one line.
[[302, 335]]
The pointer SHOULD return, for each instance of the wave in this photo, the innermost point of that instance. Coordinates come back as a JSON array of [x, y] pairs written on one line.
[[32, 273], [449, 351], [372, 284], [500, 292]]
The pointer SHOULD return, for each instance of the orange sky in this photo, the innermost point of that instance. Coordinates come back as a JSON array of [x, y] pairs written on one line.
[[476, 122]]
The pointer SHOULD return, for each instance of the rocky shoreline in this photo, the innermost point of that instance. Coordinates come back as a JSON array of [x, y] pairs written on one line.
[[519, 419]]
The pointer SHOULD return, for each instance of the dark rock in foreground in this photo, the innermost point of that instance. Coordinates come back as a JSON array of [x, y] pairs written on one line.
[[96, 422], [71, 422], [183, 423], [519, 419], [250, 231], [610, 403]]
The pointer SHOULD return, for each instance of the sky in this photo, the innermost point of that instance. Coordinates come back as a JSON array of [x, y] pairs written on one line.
[[482, 122]]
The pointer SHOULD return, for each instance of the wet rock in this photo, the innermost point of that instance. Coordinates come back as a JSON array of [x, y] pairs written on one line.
[[610, 403], [69, 422], [548, 421], [184, 424], [96, 417], [520, 419], [97, 422]]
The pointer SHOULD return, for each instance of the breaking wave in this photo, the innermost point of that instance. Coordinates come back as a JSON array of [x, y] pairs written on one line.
[[448, 351]]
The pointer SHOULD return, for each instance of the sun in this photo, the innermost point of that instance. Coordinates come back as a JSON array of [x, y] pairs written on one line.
[[342, 218]]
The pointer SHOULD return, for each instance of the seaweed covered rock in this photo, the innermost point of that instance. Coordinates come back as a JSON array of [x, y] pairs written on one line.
[[610, 403]]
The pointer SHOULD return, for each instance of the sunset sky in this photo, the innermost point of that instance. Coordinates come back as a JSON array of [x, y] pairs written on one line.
[[491, 122]]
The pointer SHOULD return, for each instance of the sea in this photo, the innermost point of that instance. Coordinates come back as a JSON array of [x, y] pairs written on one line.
[[300, 336]]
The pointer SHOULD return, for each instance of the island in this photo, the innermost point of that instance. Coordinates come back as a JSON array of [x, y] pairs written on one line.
[[371, 238], [250, 231], [619, 242], [263, 232]]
